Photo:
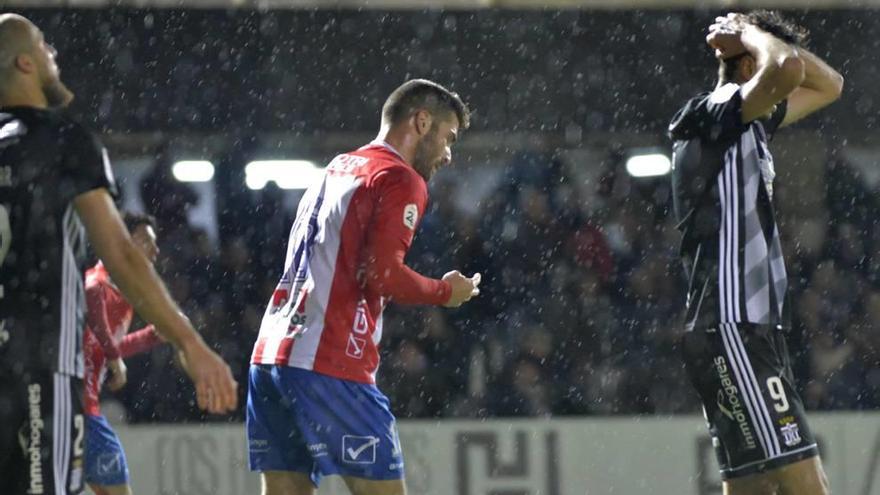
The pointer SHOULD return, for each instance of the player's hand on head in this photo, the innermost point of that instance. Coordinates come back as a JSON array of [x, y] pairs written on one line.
[[118, 374], [725, 35], [216, 390], [463, 288]]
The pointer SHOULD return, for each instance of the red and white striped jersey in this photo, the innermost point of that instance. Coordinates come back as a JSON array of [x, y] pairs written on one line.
[[106, 336], [345, 260]]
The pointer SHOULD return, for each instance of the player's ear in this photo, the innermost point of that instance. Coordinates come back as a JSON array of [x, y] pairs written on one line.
[[747, 67], [25, 63], [423, 120]]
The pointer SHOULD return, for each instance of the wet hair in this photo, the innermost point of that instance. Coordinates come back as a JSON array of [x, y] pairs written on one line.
[[774, 23], [418, 94], [134, 220]]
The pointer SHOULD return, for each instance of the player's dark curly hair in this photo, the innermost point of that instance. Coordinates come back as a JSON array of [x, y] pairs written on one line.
[[134, 220], [774, 23]]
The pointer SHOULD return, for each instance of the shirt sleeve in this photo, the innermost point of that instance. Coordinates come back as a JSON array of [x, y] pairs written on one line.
[[98, 322], [719, 114], [400, 197], [140, 341], [771, 124], [86, 161]]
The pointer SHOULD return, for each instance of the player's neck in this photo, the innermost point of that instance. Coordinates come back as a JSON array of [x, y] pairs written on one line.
[[402, 143], [21, 96]]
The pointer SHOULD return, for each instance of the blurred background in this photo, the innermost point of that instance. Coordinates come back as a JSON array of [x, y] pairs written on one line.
[[558, 194]]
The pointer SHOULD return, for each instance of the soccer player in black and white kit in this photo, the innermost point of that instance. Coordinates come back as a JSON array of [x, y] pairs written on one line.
[[56, 186], [737, 317]]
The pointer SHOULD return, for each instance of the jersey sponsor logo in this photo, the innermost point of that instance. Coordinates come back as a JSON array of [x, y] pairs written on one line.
[[360, 325], [258, 445], [410, 216], [298, 319], [355, 347], [318, 449], [35, 440], [730, 395], [359, 449]]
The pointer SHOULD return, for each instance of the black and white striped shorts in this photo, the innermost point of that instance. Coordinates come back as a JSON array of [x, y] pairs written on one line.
[[41, 442], [743, 375]]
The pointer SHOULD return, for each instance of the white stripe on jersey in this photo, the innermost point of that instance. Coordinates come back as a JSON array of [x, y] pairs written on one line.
[[69, 281], [322, 266], [338, 193]]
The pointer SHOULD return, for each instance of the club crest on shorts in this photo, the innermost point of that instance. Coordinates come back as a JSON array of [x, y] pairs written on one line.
[[791, 434], [410, 216]]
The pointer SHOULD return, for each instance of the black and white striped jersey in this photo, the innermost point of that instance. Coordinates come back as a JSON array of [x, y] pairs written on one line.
[[722, 181], [45, 162]]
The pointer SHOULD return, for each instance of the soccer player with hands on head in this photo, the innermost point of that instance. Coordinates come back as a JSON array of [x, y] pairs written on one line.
[[737, 318]]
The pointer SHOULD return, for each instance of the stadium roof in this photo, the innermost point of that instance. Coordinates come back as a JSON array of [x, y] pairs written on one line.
[[448, 4]]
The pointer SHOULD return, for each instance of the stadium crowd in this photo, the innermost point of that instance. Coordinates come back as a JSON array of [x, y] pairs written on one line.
[[580, 308]]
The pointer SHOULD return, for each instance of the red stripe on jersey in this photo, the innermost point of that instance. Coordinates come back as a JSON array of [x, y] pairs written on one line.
[[258, 350], [284, 350], [342, 352]]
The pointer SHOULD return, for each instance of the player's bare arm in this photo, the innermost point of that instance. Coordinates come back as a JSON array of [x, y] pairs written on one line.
[[134, 274], [822, 85], [780, 70]]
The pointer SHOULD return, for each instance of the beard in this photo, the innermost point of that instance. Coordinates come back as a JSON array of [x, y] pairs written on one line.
[[423, 162], [56, 93]]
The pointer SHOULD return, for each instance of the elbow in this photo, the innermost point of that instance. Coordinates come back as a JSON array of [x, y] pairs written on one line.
[[377, 279], [792, 70]]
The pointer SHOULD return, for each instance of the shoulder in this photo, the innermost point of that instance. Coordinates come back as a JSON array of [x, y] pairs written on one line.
[[724, 93], [395, 173], [77, 135], [712, 115]]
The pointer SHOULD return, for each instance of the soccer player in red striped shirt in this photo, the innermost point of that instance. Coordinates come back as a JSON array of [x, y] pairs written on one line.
[[313, 406], [106, 343]]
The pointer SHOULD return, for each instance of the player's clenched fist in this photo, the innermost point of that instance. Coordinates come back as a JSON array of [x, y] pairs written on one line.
[[463, 288]]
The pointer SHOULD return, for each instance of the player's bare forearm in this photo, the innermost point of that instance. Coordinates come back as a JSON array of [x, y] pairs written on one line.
[[131, 270], [819, 76], [780, 71], [769, 51], [822, 85]]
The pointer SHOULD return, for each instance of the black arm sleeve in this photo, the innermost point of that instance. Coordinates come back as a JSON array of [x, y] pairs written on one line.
[[771, 124], [86, 162], [720, 114], [714, 118]]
